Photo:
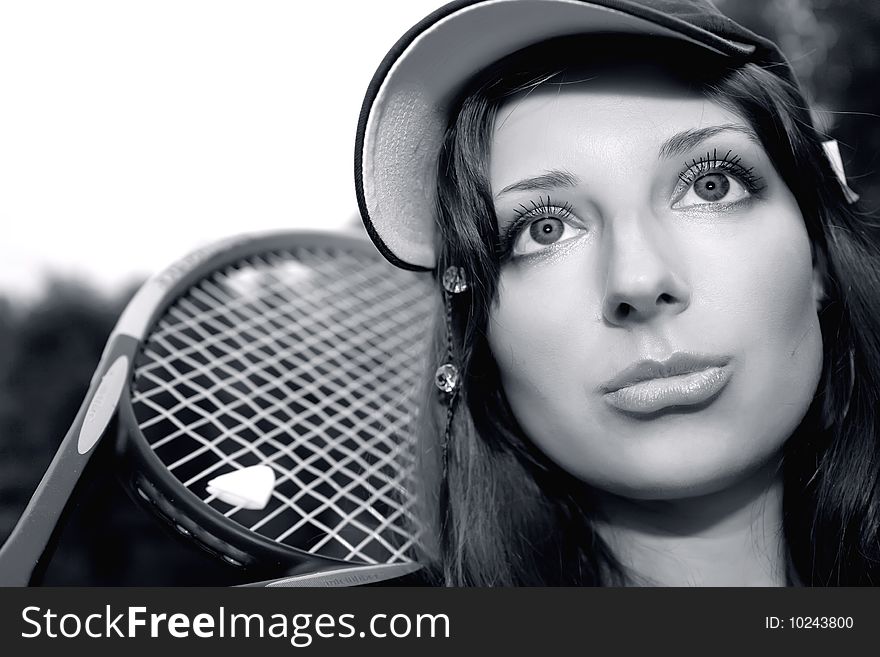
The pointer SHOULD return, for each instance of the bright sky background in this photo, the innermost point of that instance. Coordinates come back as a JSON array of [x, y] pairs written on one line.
[[134, 131]]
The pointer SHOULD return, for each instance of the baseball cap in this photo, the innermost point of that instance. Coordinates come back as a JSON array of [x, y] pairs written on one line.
[[408, 103]]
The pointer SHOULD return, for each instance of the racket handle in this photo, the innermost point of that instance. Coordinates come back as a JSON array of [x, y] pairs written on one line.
[[343, 576], [28, 544]]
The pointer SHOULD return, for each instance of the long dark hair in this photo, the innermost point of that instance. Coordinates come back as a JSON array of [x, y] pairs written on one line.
[[498, 512]]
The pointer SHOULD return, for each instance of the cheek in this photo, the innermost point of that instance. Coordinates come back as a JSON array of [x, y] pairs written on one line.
[[525, 344], [542, 327], [769, 285], [772, 312], [547, 337], [763, 289]]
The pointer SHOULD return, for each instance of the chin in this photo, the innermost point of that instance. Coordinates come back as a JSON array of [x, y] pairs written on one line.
[[686, 464], [677, 483]]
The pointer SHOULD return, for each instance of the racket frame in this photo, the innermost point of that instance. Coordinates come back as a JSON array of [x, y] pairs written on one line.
[[147, 479]]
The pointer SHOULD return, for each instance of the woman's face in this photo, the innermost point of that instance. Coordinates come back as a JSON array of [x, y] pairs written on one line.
[[656, 325]]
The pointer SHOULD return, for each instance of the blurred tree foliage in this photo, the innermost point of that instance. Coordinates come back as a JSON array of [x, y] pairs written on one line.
[[834, 46], [48, 352]]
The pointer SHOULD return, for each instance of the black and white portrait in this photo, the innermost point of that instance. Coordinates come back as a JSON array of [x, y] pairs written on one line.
[[491, 294]]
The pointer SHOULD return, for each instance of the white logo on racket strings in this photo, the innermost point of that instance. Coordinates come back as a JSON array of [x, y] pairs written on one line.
[[103, 405], [249, 488]]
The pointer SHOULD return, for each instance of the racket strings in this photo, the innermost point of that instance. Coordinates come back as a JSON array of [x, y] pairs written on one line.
[[218, 384], [262, 359], [306, 361], [172, 466]]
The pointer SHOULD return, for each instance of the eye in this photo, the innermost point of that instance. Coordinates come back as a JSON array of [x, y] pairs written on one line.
[[541, 227], [715, 180], [715, 187]]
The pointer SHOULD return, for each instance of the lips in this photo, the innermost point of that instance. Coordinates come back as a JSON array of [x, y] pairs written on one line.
[[683, 379]]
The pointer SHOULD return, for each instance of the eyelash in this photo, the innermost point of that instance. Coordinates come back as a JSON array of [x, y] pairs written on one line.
[[711, 163], [525, 215]]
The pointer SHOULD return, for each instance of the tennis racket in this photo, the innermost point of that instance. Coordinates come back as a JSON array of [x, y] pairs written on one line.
[[295, 356]]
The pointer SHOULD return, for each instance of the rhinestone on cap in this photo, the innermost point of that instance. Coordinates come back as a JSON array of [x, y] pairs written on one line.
[[446, 377], [454, 280]]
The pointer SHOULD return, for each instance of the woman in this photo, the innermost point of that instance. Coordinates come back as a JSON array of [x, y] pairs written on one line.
[[656, 352]]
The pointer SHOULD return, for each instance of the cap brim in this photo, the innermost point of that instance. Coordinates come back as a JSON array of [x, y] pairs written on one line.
[[405, 112]]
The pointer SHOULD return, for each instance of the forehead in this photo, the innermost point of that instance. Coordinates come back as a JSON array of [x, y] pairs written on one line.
[[604, 118]]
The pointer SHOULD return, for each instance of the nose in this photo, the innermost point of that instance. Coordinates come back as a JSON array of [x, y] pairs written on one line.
[[643, 278]]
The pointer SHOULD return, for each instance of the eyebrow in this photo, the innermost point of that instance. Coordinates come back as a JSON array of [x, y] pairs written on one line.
[[682, 142], [547, 181], [676, 146]]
